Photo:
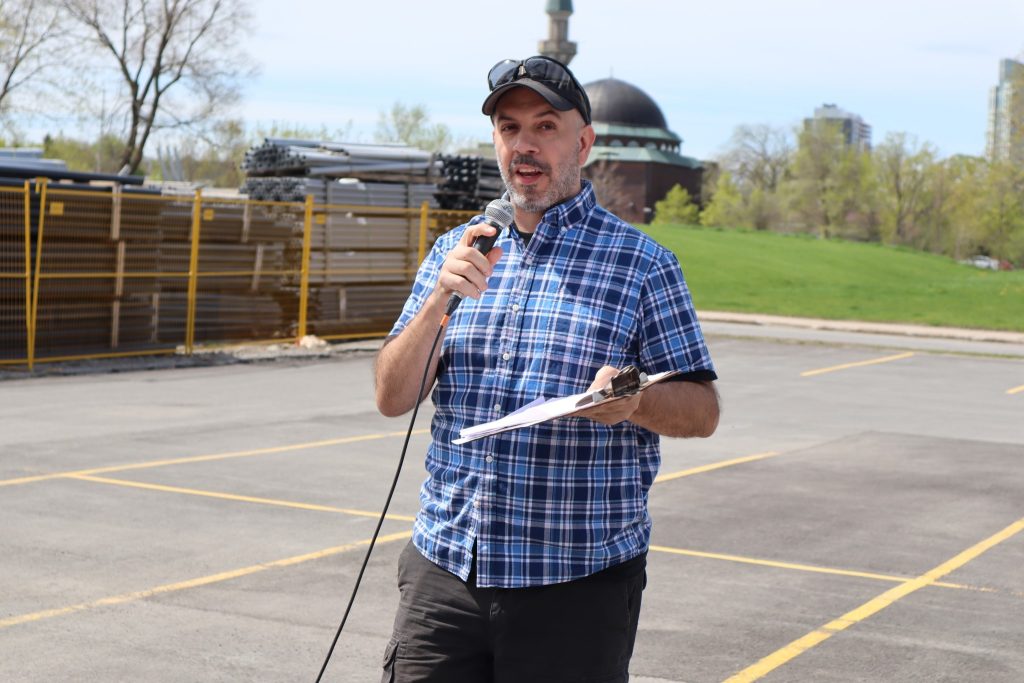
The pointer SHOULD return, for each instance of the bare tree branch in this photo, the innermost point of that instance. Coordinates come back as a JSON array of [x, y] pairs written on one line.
[[178, 61], [29, 30]]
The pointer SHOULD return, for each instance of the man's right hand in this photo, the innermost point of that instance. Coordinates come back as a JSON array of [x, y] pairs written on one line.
[[465, 270]]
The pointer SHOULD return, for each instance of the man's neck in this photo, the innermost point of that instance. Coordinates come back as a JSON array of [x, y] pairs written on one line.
[[527, 222]]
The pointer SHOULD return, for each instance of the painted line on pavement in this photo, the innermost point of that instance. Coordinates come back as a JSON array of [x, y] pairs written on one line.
[[236, 497], [809, 568], [195, 583], [206, 458], [858, 364], [871, 607], [715, 466], [1015, 390]]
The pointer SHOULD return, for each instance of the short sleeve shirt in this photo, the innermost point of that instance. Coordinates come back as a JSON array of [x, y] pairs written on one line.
[[567, 498]]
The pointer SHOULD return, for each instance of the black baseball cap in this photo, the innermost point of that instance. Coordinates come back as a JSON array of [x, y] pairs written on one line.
[[548, 77]]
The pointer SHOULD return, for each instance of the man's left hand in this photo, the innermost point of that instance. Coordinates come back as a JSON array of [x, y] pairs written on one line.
[[609, 411]]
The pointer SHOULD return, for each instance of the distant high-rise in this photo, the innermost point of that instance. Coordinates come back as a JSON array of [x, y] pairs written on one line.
[[856, 133], [558, 46], [1006, 114]]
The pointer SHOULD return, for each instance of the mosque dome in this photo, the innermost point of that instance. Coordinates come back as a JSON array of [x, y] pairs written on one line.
[[620, 103]]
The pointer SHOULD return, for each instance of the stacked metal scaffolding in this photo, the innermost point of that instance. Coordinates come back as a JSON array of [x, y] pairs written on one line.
[[470, 183]]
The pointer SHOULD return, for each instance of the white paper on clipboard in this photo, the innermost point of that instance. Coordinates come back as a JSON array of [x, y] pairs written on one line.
[[540, 410]]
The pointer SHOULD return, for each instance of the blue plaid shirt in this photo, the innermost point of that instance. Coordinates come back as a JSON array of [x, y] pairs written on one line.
[[564, 499]]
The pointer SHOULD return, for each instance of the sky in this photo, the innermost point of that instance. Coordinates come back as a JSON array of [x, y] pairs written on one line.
[[914, 66]]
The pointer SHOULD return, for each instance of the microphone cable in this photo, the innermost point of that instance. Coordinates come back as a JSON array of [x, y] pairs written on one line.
[[387, 502], [498, 214]]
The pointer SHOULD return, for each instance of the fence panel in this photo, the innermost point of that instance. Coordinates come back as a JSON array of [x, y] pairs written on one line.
[[15, 252], [249, 265], [115, 272]]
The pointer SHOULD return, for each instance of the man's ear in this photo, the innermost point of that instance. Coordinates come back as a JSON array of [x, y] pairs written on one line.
[[587, 137]]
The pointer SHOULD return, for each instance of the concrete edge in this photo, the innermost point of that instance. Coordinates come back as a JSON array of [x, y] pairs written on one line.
[[964, 334]]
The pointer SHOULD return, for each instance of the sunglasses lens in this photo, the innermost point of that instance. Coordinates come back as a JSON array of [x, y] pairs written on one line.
[[546, 70], [501, 73]]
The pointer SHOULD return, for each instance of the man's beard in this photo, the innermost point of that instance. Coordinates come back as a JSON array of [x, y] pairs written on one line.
[[563, 183]]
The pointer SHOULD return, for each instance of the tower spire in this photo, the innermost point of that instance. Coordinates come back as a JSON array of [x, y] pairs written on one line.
[[558, 46]]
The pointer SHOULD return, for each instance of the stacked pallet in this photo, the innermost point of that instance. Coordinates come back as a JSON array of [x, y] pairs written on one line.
[[244, 254]]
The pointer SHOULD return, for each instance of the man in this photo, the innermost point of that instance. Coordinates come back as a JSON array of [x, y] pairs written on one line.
[[529, 551]]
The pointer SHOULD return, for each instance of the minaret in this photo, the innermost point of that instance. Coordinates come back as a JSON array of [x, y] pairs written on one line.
[[558, 46]]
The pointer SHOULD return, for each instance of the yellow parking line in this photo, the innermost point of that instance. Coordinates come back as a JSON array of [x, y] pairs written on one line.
[[844, 366], [1015, 390], [871, 607], [807, 567], [195, 583], [206, 458], [232, 496], [715, 466]]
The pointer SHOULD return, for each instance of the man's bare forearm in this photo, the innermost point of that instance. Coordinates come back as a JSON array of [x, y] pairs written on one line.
[[679, 409], [400, 363]]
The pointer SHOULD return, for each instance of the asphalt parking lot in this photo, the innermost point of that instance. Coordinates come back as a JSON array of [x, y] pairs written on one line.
[[859, 516]]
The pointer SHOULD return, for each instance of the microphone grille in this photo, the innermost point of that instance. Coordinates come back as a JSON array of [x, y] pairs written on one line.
[[501, 212]]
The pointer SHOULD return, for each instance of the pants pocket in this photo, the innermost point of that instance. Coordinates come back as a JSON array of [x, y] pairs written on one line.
[[390, 652]]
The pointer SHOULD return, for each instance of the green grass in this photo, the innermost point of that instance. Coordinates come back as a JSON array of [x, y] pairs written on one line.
[[799, 275]]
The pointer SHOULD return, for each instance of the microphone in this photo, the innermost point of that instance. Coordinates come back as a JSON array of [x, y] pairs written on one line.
[[498, 214]]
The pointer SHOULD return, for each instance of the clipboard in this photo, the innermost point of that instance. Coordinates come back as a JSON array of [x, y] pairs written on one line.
[[629, 381]]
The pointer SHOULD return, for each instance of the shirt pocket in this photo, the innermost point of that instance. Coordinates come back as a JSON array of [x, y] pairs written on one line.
[[586, 327]]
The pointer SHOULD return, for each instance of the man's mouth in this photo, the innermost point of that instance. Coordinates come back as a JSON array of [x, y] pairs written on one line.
[[528, 174]]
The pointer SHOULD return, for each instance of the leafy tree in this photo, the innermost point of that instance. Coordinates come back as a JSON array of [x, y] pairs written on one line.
[[1000, 212], [726, 209], [831, 185], [100, 156], [411, 126], [178, 61], [677, 207], [902, 167]]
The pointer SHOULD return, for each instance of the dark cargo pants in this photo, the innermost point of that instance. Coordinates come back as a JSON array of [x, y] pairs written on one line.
[[450, 631]]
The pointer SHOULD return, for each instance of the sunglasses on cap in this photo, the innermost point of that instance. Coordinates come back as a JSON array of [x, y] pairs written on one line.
[[549, 78]]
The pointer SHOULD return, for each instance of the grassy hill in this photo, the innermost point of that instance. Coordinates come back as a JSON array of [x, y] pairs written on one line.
[[761, 272]]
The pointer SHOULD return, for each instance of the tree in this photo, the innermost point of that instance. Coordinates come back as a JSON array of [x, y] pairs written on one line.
[[830, 191], [726, 209], [411, 126], [610, 187], [758, 156], [1000, 212], [178, 61], [100, 156], [29, 30], [677, 207], [902, 167]]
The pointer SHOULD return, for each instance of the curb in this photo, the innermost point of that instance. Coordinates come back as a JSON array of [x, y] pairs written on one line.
[[963, 334]]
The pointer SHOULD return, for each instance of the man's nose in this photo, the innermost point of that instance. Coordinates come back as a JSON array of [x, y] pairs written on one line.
[[525, 143]]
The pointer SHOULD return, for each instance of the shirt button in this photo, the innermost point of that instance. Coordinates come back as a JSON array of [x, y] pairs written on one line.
[[476, 503], [497, 406], [515, 307], [489, 458], [506, 356]]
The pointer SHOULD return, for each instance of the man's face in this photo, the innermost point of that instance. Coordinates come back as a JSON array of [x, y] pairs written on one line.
[[540, 149]]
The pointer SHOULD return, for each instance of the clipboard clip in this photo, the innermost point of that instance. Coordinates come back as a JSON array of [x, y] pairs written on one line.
[[628, 381]]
